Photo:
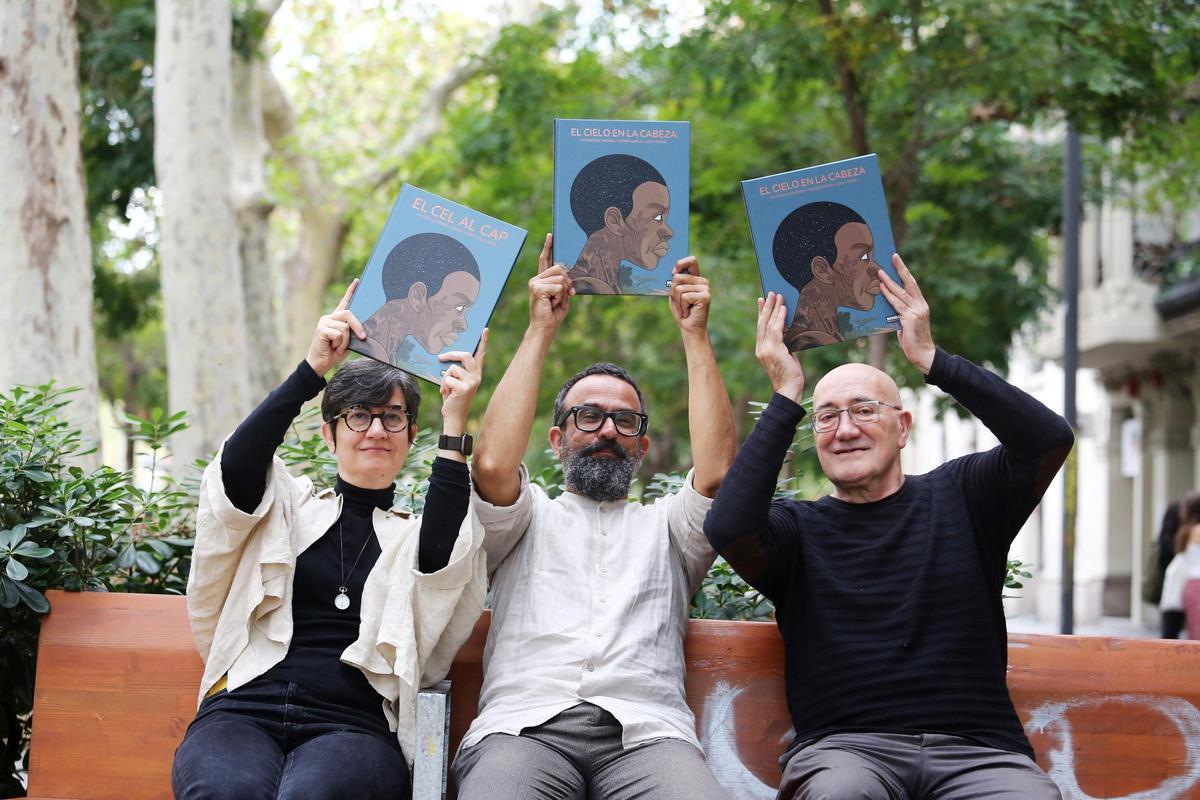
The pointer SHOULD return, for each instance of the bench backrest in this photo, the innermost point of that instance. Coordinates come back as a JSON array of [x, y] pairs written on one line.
[[1107, 717], [117, 679]]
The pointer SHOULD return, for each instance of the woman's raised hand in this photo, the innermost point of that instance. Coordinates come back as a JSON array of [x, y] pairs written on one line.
[[331, 339]]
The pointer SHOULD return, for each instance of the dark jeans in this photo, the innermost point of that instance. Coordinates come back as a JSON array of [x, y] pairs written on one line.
[[270, 739]]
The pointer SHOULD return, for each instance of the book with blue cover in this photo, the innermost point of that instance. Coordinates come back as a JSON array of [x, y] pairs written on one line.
[[432, 282], [821, 235], [621, 191]]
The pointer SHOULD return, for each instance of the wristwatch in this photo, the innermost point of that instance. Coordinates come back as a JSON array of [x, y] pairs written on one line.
[[461, 444]]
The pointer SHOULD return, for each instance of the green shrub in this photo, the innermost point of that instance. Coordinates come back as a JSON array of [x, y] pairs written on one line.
[[62, 527]]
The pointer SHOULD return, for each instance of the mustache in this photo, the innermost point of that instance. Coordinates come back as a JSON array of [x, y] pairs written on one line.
[[603, 446]]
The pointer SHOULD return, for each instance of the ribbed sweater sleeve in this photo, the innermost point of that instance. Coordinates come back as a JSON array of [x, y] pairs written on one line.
[[744, 526], [248, 451], [1024, 426], [1004, 484], [445, 509]]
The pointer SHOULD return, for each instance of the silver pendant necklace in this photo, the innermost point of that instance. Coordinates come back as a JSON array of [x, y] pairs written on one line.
[[342, 600]]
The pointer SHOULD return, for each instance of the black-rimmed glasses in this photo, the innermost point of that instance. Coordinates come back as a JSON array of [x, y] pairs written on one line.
[[395, 419], [589, 419], [864, 413]]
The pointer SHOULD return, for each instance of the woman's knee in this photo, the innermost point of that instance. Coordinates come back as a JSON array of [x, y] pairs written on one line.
[[220, 760], [198, 775], [345, 764]]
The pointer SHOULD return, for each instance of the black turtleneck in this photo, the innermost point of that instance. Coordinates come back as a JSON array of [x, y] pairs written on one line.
[[320, 630]]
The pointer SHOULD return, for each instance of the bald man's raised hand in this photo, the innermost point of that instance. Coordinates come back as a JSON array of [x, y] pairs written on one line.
[[781, 366], [915, 334]]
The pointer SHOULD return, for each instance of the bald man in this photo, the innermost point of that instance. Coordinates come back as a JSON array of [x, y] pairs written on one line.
[[887, 592]]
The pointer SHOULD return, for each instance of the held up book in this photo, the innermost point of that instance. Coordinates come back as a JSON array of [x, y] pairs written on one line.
[[821, 235], [432, 282], [621, 192]]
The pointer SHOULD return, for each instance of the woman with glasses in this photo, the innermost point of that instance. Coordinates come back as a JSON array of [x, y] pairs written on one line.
[[320, 615]]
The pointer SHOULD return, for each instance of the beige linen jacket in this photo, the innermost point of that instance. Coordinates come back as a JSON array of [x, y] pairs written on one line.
[[240, 592]]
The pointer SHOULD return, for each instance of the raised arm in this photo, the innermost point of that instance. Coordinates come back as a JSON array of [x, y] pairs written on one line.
[[1032, 436], [247, 453], [710, 417], [508, 421], [449, 481], [744, 526]]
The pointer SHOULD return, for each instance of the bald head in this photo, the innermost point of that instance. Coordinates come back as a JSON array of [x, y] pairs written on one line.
[[861, 455], [851, 383]]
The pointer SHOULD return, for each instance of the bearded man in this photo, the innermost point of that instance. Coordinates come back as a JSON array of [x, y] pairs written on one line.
[[583, 686]]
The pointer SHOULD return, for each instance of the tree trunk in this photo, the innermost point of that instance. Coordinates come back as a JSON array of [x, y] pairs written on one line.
[[253, 209], [203, 302], [46, 260]]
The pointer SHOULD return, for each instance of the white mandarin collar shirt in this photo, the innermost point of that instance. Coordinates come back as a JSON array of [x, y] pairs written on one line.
[[590, 603]]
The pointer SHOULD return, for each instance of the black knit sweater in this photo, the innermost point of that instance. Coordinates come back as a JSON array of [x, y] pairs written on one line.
[[891, 611]]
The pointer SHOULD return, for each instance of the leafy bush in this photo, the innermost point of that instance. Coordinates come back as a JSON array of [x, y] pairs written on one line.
[[62, 527], [724, 595]]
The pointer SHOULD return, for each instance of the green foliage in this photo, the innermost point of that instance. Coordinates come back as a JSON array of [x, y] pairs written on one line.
[[249, 26], [549, 477], [724, 595], [130, 342], [1014, 571], [116, 76], [64, 528]]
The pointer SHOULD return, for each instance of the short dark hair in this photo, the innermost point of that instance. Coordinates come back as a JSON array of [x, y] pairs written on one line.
[[602, 368], [808, 233], [608, 182], [425, 258], [366, 382]]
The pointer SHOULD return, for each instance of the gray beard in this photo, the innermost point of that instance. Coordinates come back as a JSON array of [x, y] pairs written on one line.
[[600, 479]]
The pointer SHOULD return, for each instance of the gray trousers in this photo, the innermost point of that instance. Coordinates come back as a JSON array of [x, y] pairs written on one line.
[[577, 755], [893, 766]]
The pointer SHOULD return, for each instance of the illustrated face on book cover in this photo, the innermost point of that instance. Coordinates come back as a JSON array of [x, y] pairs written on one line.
[[827, 251], [621, 202], [430, 281]]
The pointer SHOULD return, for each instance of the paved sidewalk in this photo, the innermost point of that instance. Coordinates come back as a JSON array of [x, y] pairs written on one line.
[[1106, 626]]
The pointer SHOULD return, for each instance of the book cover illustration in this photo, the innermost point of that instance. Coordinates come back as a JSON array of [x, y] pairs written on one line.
[[821, 235], [621, 192], [432, 282]]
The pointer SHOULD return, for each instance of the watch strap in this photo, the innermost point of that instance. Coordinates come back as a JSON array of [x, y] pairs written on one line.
[[461, 444]]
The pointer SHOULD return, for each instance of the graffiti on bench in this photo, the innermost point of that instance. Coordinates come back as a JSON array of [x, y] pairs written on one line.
[[719, 740], [1050, 720], [1053, 717]]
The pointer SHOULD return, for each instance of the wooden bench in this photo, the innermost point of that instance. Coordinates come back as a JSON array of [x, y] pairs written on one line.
[[117, 678]]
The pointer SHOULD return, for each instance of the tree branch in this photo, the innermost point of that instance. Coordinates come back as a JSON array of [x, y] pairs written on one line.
[[428, 117], [902, 175]]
